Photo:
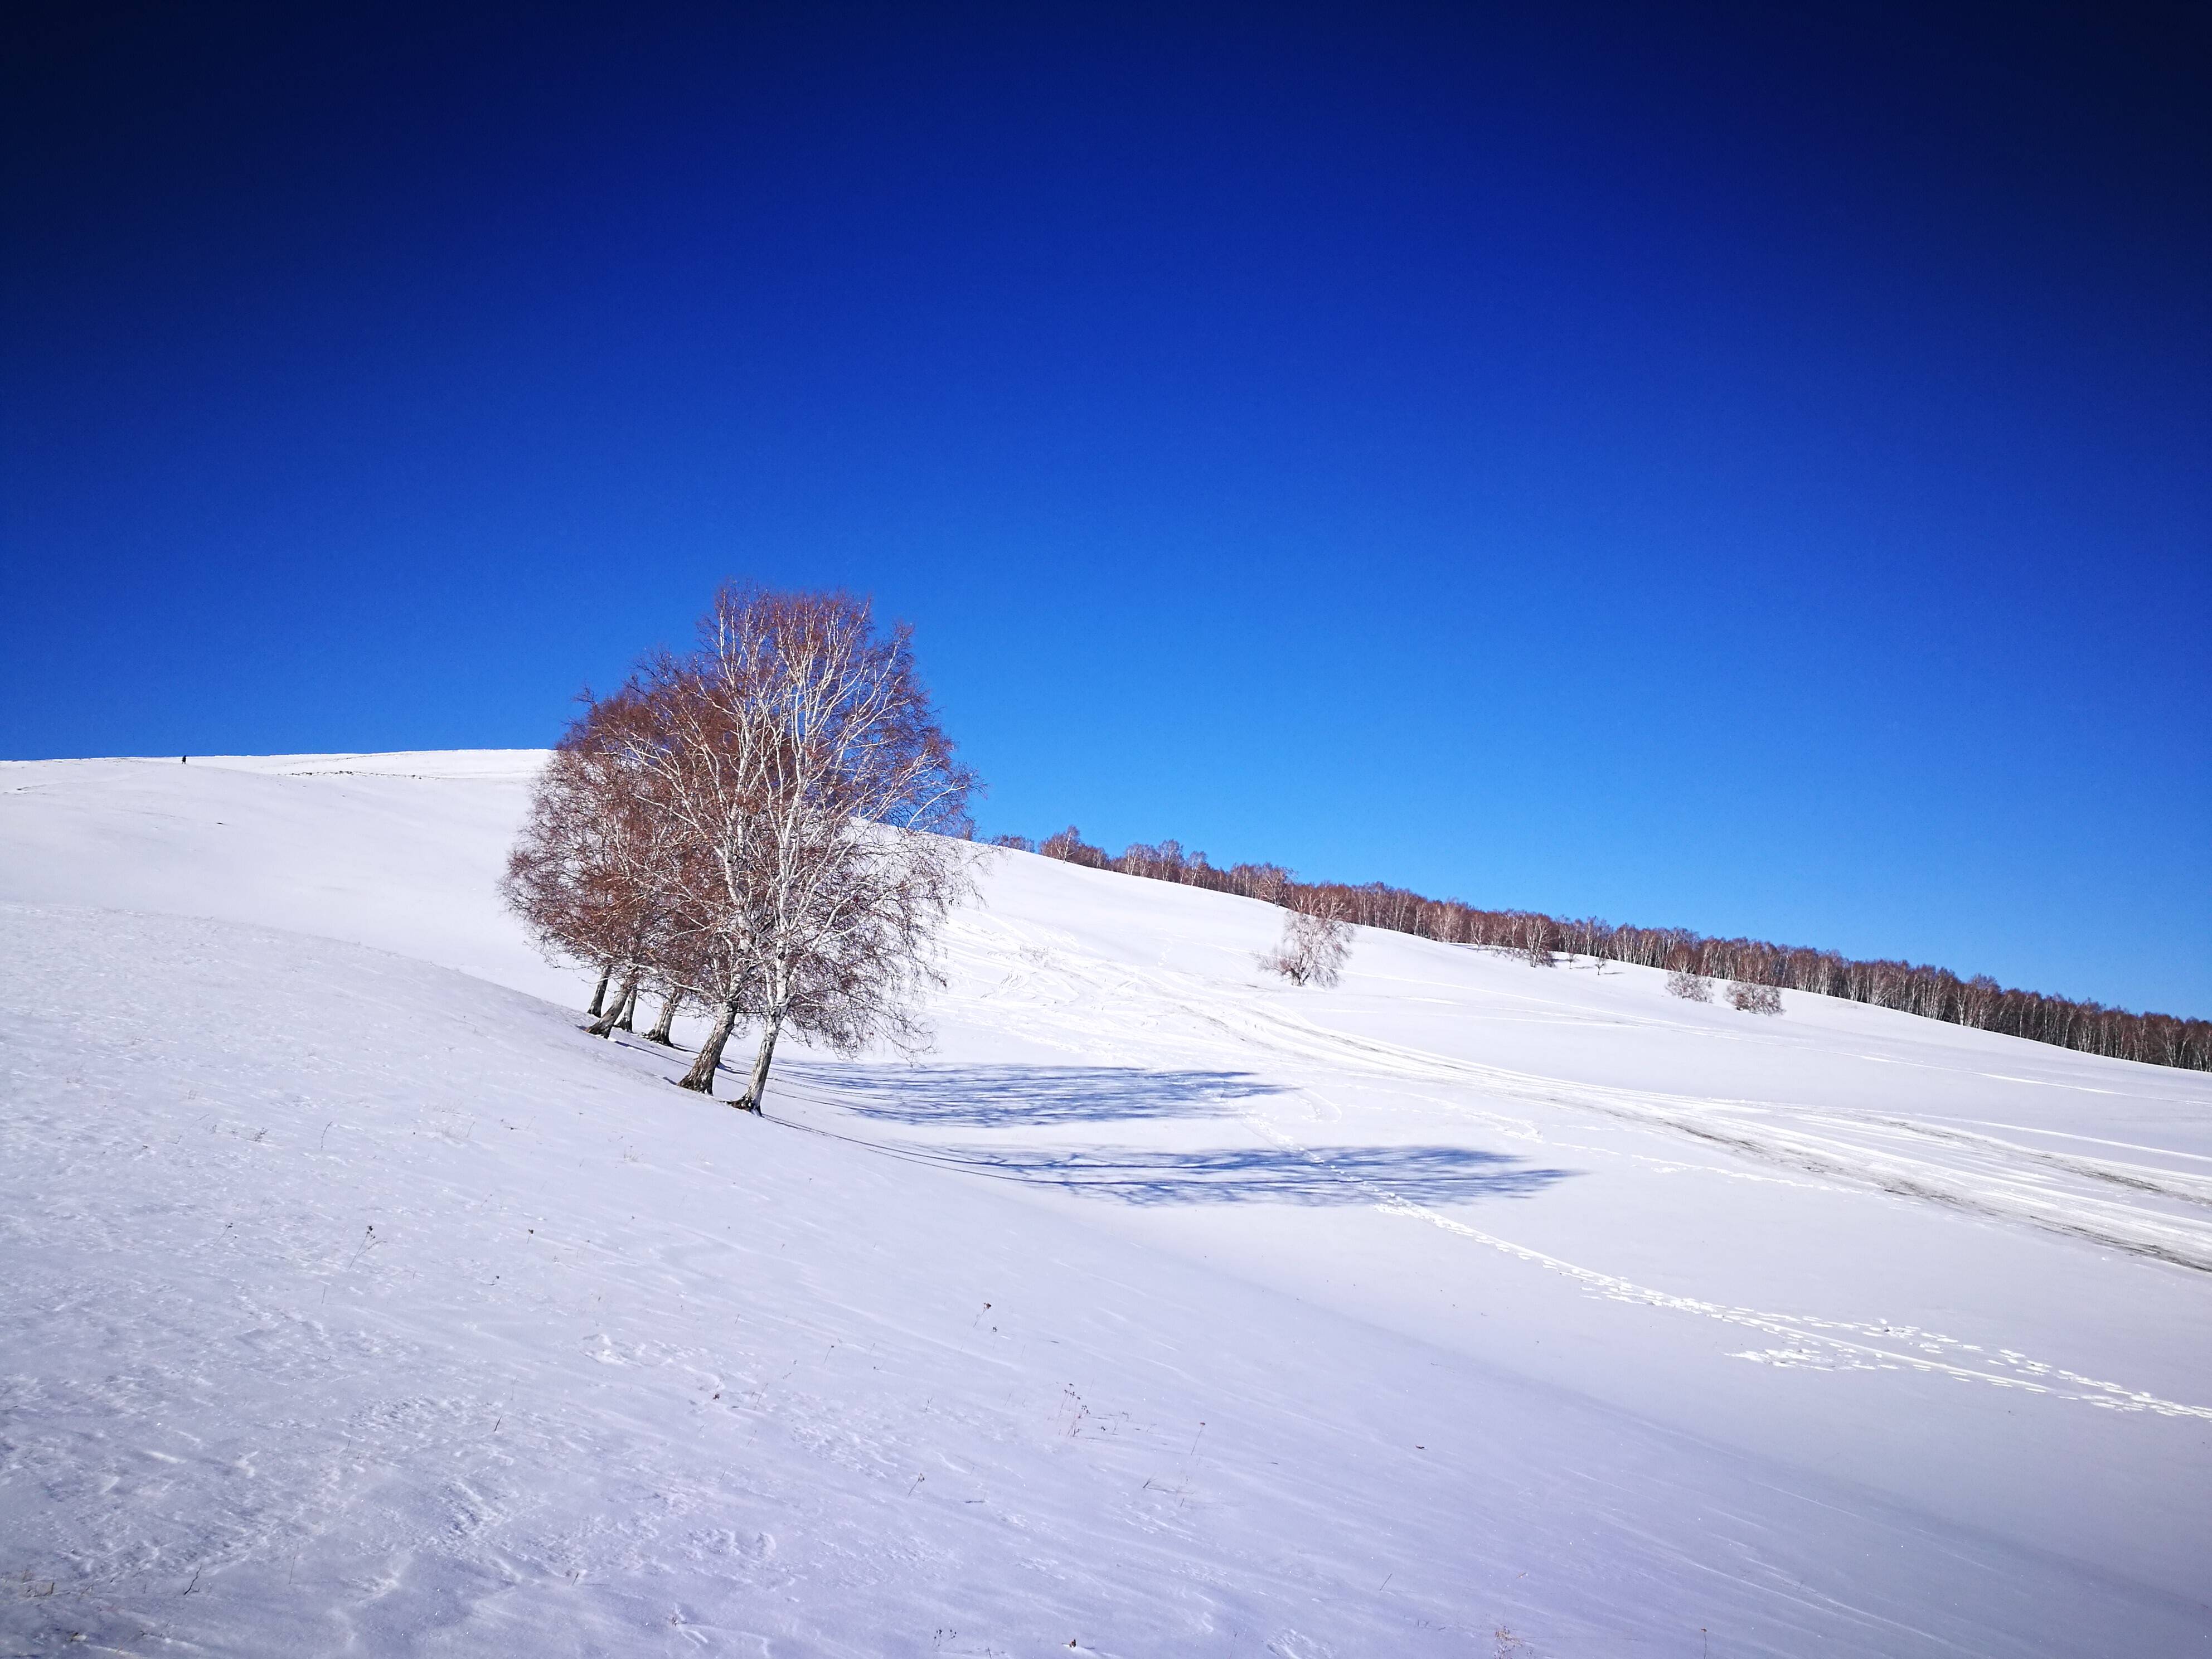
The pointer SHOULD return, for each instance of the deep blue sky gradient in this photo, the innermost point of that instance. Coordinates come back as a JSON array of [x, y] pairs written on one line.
[[1724, 469]]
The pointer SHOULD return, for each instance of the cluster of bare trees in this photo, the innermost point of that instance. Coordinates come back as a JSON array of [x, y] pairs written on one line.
[[1753, 998], [1166, 862], [769, 826], [1746, 999], [1317, 931], [1933, 992]]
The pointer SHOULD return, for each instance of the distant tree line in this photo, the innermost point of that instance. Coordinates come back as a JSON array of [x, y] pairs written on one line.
[[1932, 993]]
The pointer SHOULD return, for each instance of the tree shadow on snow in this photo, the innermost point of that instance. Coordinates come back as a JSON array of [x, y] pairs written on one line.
[[1008, 1097], [1003, 1097], [1334, 1175]]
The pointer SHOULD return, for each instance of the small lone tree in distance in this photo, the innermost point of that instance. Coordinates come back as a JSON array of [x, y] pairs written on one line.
[[1691, 988], [1315, 942]]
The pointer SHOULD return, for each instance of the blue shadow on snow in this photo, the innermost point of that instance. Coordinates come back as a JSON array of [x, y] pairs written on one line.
[[1003, 1096], [1006, 1097]]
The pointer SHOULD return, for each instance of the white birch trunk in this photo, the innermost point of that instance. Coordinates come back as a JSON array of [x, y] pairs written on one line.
[[757, 1089]]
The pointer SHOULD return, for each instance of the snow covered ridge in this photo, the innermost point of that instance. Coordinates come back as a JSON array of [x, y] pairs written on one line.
[[1760, 971], [359, 1303], [507, 765]]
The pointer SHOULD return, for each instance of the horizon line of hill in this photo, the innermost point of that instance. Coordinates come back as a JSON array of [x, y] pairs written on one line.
[[1979, 1003]]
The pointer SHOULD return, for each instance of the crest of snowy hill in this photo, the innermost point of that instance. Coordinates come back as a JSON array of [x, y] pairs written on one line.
[[358, 1301]]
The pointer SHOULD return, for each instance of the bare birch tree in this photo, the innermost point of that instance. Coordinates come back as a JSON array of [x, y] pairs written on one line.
[[1315, 942], [813, 795]]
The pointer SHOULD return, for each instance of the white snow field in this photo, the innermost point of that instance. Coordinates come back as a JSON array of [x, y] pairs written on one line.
[[356, 1302]]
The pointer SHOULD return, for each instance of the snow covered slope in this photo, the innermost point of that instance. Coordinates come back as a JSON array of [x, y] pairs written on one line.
[[357, 1303]]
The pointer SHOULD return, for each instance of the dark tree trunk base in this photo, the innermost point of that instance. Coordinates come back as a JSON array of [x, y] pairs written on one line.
[[606, 1024], [701, 1076], [756, 1090]]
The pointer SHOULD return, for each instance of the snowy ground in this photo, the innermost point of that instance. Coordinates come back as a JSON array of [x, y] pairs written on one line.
[[358, 1303]]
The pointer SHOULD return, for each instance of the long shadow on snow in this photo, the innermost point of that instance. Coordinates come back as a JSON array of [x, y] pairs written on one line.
[[1334, 1175], [1010, 1097], [1006, 1097]]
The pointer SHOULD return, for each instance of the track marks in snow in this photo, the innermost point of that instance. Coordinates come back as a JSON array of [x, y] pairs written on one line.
[[2147, 1210], [1812, 1342], [1837, 1343], [2157, 1213]]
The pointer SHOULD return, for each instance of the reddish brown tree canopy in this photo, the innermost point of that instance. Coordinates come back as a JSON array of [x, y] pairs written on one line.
[[766, 822]]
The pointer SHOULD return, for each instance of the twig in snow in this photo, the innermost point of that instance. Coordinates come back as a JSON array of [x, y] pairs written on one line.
[[1190, 1458], [368, 1242]]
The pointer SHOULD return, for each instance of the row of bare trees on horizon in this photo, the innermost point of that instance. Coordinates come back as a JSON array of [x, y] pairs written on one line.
[[1932, 993], [731, 829]]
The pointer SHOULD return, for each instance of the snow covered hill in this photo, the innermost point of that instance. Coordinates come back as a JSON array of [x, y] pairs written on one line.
[[358, 1303]]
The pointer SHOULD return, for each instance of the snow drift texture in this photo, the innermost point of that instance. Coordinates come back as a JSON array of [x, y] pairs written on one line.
[[357, 1302]]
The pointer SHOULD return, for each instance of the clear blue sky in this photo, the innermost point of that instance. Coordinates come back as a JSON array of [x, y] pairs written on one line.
[[1692, 465]]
